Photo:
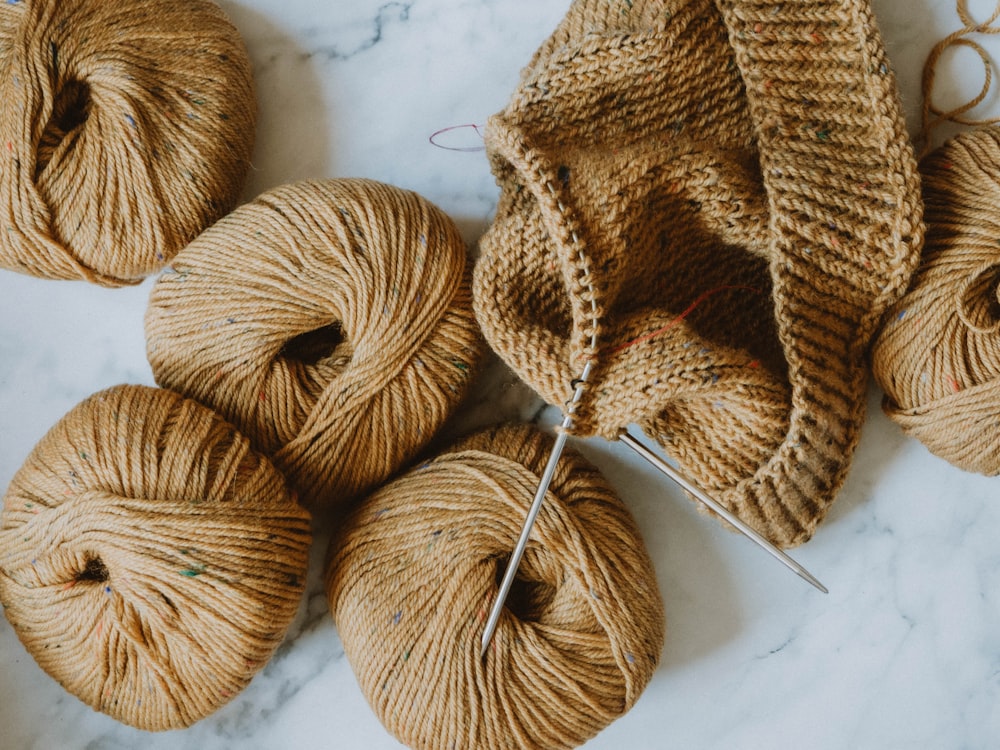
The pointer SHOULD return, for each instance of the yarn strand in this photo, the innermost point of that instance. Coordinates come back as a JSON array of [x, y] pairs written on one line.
[[932, 116]]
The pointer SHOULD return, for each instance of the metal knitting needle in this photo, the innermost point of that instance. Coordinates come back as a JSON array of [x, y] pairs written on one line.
[[659, 464], [702, 497], [536, 505]]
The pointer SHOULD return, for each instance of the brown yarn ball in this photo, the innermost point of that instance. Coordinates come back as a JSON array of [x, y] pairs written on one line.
[[938, 355], [126, 129], [150, 561], [414, 572], [331, 321]]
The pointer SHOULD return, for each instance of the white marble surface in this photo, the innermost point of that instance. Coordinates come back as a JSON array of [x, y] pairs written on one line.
[[903, 653]]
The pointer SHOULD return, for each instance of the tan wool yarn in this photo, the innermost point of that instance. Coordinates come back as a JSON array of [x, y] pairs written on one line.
[[150, 560], [711, 204], [126, 128], [938, 355], [415, 569], [331, 321]]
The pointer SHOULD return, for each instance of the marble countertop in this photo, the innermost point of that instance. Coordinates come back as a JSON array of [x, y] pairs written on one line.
[[903, 653]]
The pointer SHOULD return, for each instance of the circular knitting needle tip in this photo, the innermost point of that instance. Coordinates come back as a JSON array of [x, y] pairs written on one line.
[[662, 466], [536, 505], [522, 541]]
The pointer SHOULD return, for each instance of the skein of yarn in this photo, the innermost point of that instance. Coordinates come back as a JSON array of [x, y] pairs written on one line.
[[150, 561], [938, 355], [413, 572], [331, 321], [127, 128]]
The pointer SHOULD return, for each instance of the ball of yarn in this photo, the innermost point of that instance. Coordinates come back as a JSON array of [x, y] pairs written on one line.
[[150, 561], [414, 572], [938, 354], [126, 129], [331, 321]]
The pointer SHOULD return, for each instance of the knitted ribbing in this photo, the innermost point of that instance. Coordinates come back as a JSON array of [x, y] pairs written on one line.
[[414, 571], [150, 561], [331, 321], [739, 182], [126, 129]]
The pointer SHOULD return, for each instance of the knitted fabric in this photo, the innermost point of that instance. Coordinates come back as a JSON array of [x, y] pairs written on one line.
[[712, 204]]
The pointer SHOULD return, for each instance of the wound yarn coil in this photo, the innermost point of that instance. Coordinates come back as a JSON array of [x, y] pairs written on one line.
[[937, 356], [126, 129], [331, 321], [414, 569], [150, 560]]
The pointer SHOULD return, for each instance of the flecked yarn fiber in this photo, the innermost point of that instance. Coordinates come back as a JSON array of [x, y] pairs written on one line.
[[150, 561], [938, 355], [126, 128], [414, 571], [711, 204], [331, 321]]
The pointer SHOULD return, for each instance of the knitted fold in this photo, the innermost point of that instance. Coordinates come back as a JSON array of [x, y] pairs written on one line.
[[713, 204]]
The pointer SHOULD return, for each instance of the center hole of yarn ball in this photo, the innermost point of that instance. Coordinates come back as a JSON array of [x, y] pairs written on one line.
[[70, 109], [527, 600], [979, 304], [319, 345], [95, 571]]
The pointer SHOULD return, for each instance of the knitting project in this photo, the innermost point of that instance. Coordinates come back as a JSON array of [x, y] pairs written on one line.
[[712, 203]]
